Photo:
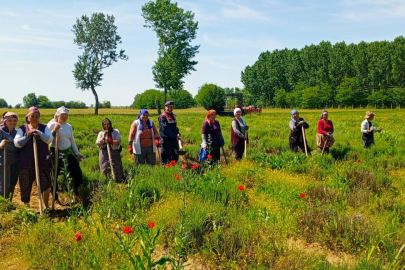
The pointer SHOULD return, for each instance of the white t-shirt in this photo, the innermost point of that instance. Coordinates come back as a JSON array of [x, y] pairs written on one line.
[[66, 138]]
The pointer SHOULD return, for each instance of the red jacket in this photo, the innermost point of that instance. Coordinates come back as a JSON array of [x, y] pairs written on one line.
[[325, 126]]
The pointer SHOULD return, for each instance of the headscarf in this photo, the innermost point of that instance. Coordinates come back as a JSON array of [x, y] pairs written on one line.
[[7, 115], [323, 114], [143, 111], [59, 111], [241, 118], [30, 111], [291, 113], [209, 113], [111, 129]]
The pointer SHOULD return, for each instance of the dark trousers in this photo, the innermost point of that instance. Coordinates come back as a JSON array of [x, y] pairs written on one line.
[[294, 147], [239, 149], [74, 170], [168, 154], [215, 152]]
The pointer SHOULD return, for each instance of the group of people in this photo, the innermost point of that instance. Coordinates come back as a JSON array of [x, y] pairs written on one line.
[[324, 135], [144, 141]]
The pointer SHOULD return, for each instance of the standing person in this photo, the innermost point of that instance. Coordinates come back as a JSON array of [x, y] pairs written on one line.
[[368, 130], [7, 135], [169, 133], [238, 131], [143, 139], [110, 136], [67, 147], [34, 130], [212, 139], [296, 136], [324, 136]]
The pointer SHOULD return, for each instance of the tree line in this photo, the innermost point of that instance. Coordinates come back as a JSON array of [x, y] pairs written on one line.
[[327, 75]]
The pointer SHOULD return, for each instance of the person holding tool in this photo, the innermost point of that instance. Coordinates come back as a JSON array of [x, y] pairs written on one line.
[[368, 130], [297, 135], [238, 131], [212, 139], [8, 155], [169, 133]]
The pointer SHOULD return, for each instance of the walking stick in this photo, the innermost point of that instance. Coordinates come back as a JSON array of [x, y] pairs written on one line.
[[5, 171], [245, 142], [324, 146], [41, 211], [305, 141], [111, 164], [56, 164], [223, 152], [159, 158]]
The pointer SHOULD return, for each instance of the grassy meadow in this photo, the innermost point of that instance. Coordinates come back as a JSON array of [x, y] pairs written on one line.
[[273, 210]]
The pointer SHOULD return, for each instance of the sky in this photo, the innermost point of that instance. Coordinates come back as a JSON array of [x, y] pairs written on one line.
[[37, 53]]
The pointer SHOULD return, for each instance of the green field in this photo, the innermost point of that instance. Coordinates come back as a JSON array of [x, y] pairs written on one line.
[[352, 215]]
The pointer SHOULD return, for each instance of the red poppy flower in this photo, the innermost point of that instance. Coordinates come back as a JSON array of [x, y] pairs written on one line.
[[195, 166], [185, 166], [357, 153], [168, 165], [209, 156], [127, 230], [175, 175], [358, 160], [178, 177], [302, 195], [151, 225], [78, 236], [389, 156], [173, 163], [241, 188]]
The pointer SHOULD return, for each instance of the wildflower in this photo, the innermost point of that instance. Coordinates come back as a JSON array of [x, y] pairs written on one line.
[[241, 187], [209, 157], [168, 165], [389, 156], [127, 230], [195, 166], [185, 166], [78, 236], [173, 163], [151, 225], [302, 195], [178, 178], [357, 153], [175, 175], [358, 160]]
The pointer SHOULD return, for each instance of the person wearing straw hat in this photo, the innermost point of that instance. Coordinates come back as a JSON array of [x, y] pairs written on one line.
[[212, 138], [238, 131], [112, 137], [143, 139], [169, 134], [34, 130], [296, 137], [324, 136], [368, 130], [7, 135], [67, 148]]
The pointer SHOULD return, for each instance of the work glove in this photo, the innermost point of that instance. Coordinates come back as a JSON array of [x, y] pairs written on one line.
[[157, 143], [130, 150], [110, 141]]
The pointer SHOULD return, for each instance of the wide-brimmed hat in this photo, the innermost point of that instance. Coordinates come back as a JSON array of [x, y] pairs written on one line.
[[369, 114]]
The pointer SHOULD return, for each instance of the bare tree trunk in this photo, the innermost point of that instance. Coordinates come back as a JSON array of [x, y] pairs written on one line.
[[96, 97]]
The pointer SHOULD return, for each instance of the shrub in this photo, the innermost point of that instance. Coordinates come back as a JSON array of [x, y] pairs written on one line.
[[211, 96]]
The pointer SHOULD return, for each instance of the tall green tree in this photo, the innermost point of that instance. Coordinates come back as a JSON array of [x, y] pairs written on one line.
[[3, 103], [175, 29], [30, 100], [98, 38]]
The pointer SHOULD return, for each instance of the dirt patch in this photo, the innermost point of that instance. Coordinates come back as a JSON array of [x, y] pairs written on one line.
[[334, 258]]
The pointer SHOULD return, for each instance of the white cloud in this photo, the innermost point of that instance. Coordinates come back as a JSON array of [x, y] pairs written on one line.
[[26, 27], [375, 10], [237, 11]]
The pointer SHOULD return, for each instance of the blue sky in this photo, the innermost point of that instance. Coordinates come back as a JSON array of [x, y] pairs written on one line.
[[37, 53]]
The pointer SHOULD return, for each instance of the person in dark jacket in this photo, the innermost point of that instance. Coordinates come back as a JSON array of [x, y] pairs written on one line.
[[169, 134], [212, 139], [7, 135], [296, 137]]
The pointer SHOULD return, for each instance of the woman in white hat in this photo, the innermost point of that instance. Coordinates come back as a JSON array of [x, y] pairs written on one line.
[[368, 130]]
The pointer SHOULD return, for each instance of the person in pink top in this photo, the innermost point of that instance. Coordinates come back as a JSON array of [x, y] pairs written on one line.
[[143, 139], [324, 136]]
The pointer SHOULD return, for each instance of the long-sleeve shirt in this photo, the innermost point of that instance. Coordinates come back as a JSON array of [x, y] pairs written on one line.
[[11, 148], [365, 126], [145, 134], [214, 130], [240, 133], [325, 126], [168, 126], [20, 140], [101, 142], [65, 137]]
